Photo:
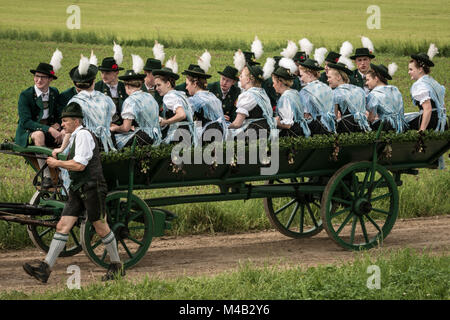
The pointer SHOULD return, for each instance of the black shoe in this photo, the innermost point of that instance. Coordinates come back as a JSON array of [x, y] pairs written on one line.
[[115, 271], [47, 183], [40, 270]]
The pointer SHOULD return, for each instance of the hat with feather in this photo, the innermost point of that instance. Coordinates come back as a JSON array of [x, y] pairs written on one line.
[[386, 72], [366, 51], [84, 72], [51, 68], [134, 73], [113, 63], [200, 70], [170, 70], [425, 58]]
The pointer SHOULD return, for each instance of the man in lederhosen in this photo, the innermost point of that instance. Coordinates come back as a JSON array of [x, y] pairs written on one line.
[[39, 116], [111, 86], [87, 192]]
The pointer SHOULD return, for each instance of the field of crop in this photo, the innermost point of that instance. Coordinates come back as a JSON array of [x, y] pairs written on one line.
[[31, 30]]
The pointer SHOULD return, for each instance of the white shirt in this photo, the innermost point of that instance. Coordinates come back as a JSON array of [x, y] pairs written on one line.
[[45, 96], [245, 103], [84, 147], [172, 101], [420, 92], [113, 90]]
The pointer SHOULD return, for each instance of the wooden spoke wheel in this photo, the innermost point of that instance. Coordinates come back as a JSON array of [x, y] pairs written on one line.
[[295, 217], [42, 236], [132, 224], [360, 205]]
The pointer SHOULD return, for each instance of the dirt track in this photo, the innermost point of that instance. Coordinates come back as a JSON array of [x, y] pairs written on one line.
[[170, 257]]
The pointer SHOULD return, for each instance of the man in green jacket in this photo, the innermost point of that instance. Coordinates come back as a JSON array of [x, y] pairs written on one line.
[[149, 81], [39, 117], [332, 57], [111, 86], [227, 91], [363, 58]]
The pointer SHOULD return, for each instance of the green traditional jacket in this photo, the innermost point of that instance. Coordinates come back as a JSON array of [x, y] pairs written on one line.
[[182, 87], [229, 103], [31, 109], [323, 77], [64, 98], [297, 84], [103, 88], [155, 95], [356, 79]]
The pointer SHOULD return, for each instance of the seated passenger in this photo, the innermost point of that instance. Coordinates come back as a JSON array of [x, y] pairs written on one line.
[[206, 106], [140, 107], [290, 112], [349, 100], [384, 102], [177, 110], [317, 98], [253, 108], [427, 94]]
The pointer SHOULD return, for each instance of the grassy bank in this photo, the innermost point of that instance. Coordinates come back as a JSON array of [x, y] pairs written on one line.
[[404, 274]]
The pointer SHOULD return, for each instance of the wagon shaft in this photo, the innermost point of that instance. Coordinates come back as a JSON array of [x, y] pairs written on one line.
[[26, 220]]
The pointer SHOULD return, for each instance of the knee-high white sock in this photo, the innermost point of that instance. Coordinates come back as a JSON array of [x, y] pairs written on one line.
[[41, 163], [111, 247], [56, 247]]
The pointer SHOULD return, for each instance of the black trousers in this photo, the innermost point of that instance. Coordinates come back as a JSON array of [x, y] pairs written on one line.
[[294, 131], [348, 124], [415, 124]]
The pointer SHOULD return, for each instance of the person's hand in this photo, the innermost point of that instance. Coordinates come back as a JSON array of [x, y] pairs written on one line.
[[56, 135], [227, 118], [56, 126], [162, 122], [55, 152], [52, 162], [113, 127]]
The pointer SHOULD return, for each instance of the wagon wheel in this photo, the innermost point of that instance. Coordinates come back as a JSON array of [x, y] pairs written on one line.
[[42, 236], [295, 217], [365, 205], [133, 230]]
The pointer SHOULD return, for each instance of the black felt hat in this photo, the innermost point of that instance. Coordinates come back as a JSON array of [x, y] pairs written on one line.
[[46, 69], [131, 75], [332, 57], [152, 64], [90, 75], [362, 52], [196, 72], [382, 70], [340, 66], [230, 72], [423, 57], [109, 64], [168, 72], [284, 73], [311, 64], [72, 110], [300, 56], [250, 58], [256, 71]]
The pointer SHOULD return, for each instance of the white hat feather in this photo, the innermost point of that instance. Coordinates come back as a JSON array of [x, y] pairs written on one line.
[[239, 60], [138, 63], [306, 46], [269, 68], [319, 55], [172, 64], [56, 60], [367, 44], [83, 66], [288, 64], [290, 51], [204, 61], [158, 52], [257, 48], [118, 55], [347, 61], [346, 49], [432, 51], [93, 59], [392, 68]]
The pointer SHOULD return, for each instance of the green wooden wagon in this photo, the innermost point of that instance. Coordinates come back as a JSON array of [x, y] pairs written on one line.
[[346, 185]]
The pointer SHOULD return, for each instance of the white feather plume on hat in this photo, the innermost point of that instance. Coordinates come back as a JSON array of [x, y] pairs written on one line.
[[56, 60], [118, 55], [93, 59], [257, 48], [306, 46], [392, 68], [158, 52], [204, 61], [319, 55], [432, 51], [347, 61], [290, 51], [172, 64], [269, 68], [138, 63], [346, 49], [288, 64], [367, 44], [239, 60], [83, 66]]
